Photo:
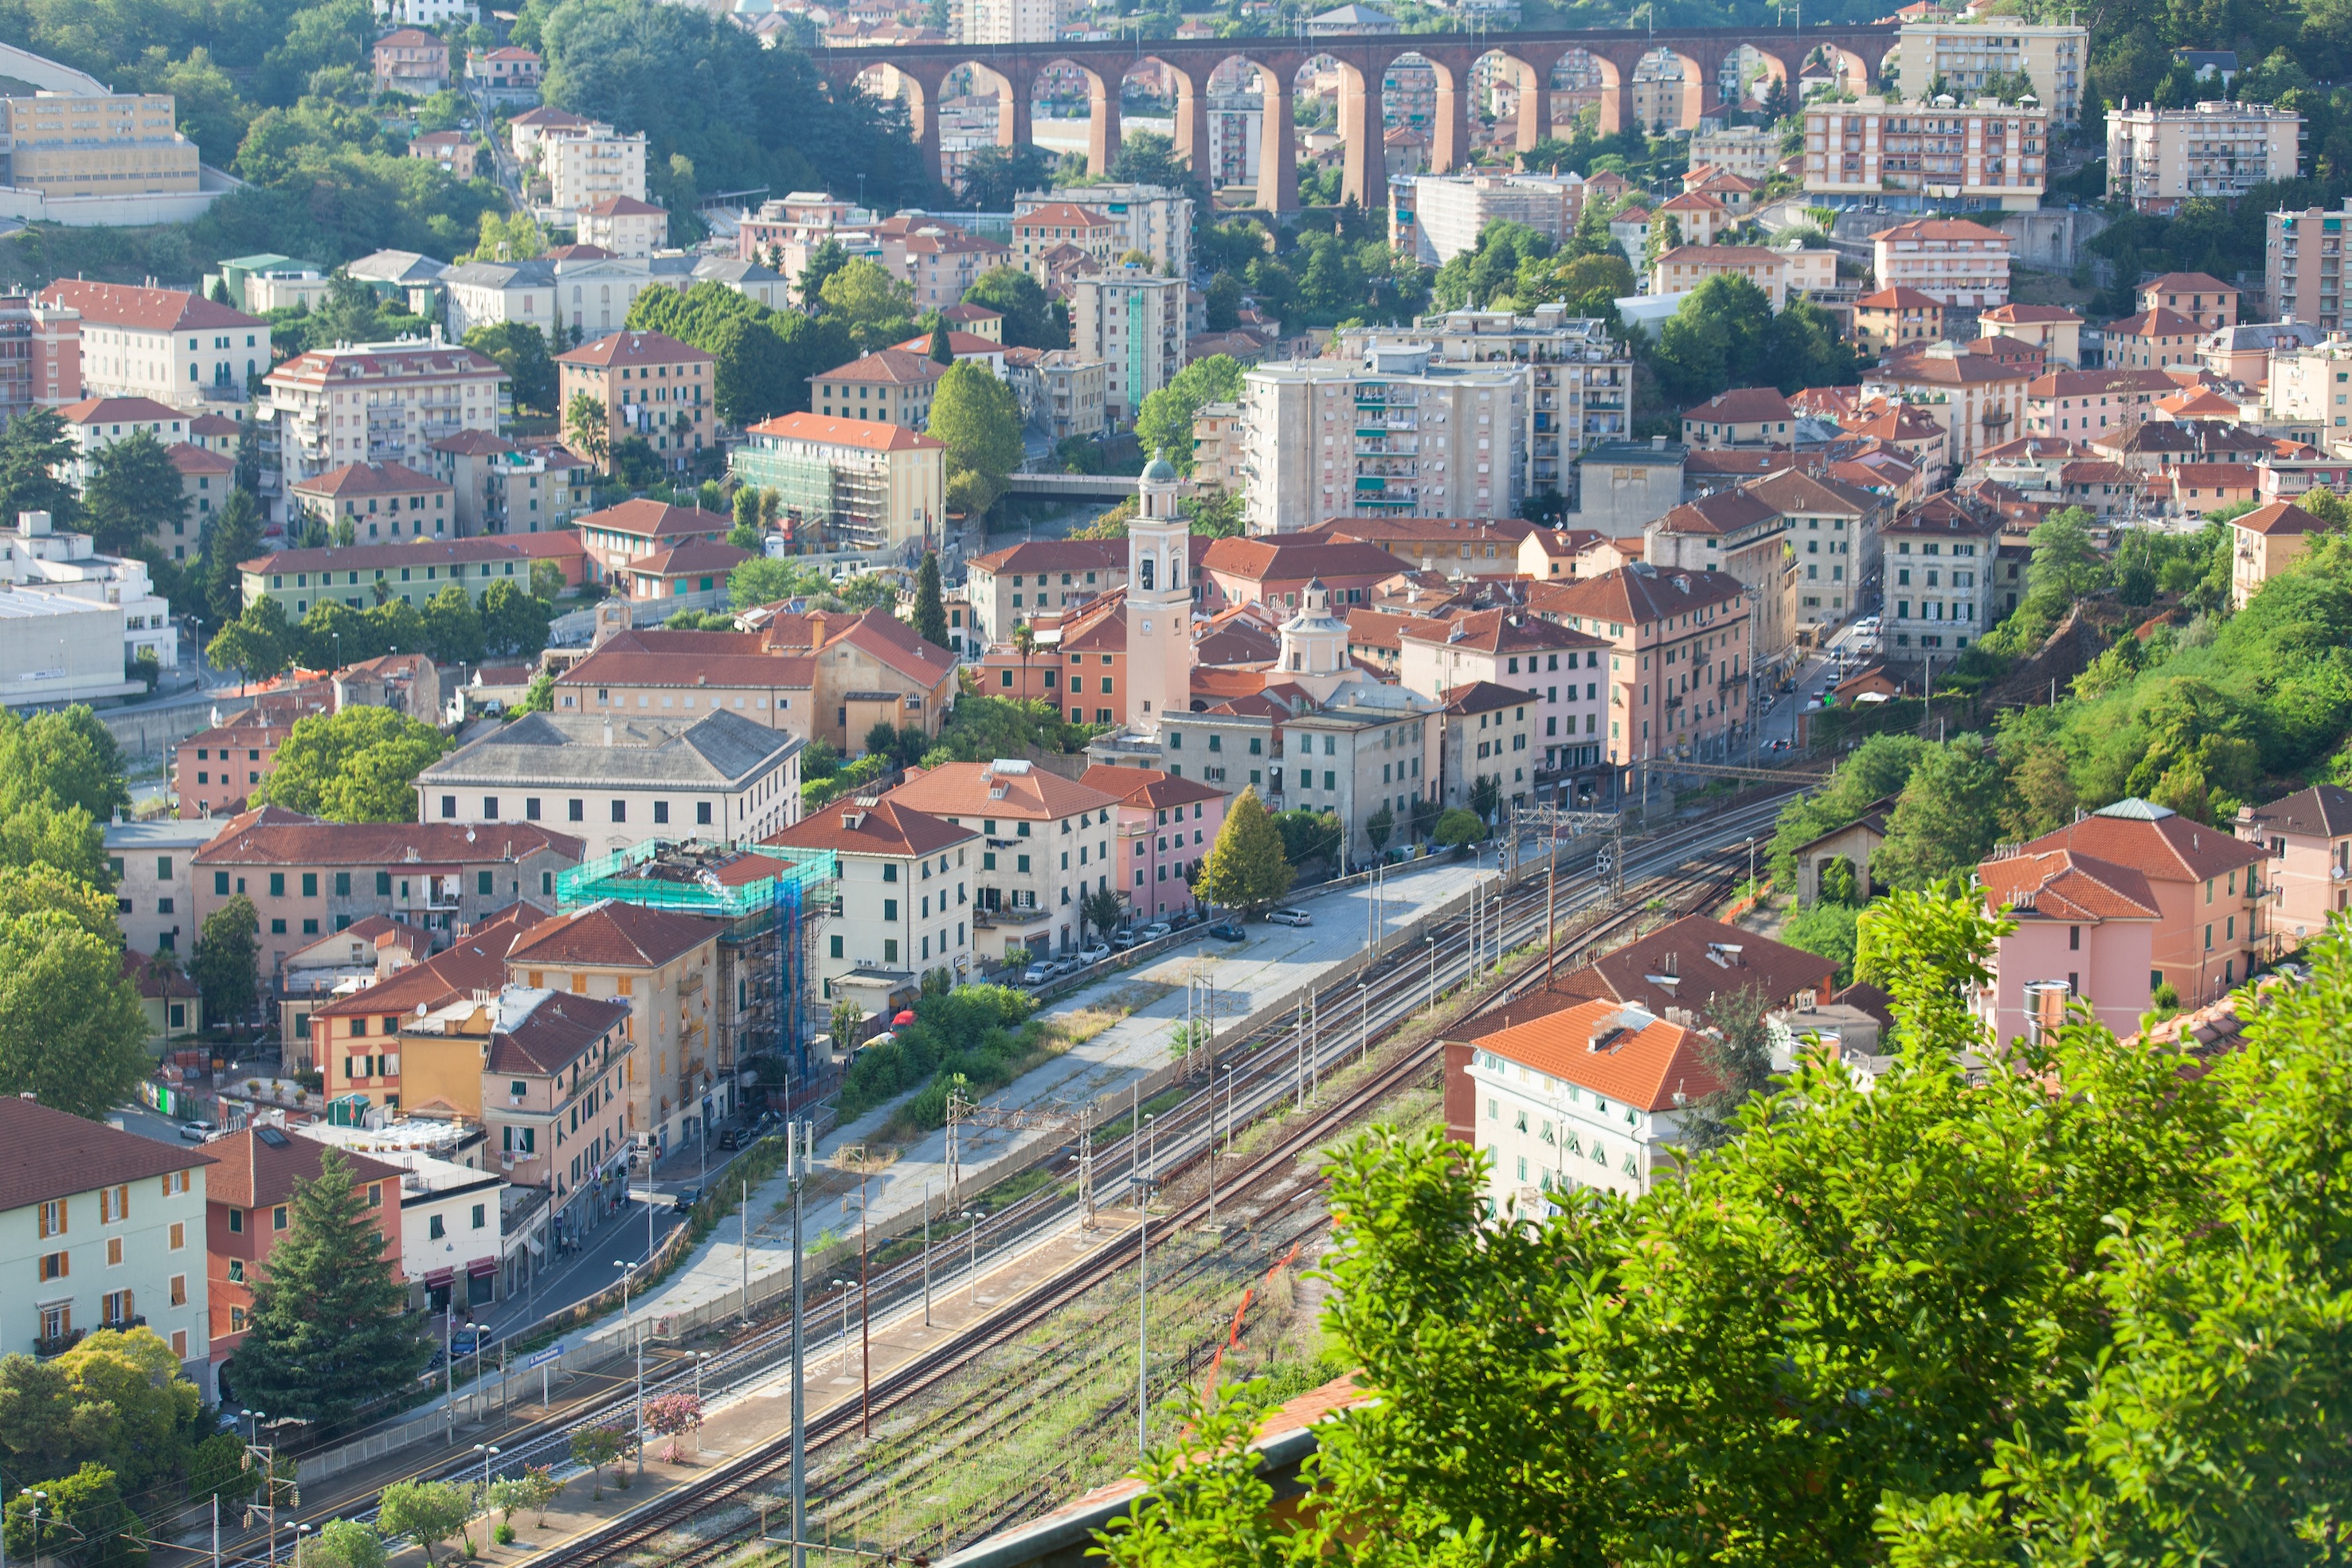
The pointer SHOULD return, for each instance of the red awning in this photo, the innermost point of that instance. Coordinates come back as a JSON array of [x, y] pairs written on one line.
[[480, 1267], [902, 1021], [439, 1277]]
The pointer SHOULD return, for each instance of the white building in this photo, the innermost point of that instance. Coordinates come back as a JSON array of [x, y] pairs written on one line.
[[1980, 153], [452, 1235], [36, 561], [1012, 21], [582, 170], [1563, 672], [1966, 53], [1397, 432], [615, 781], [904, 907], [155, 894], [372, 403], [1939, 593], [1750, 151], [164, 343], [1045, 843], [102, 1227], [1133, 322], [1950, 260], [1153, 219], [1453, 210], [1589, 1098]]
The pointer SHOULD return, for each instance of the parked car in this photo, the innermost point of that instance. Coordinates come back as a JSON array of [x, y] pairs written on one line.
[[733, 1138], [1039, 972], [467, 1338], [1094, 953], [1226, 931], [1123, 940], [1289, 917], [197, 1132], [1156, 930], [688, 1196]]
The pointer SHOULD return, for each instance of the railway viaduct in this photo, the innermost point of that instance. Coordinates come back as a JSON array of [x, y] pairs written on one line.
[[1528, 58]]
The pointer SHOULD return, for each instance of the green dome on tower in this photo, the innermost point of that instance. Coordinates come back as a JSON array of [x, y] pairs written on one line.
[[1159, 471]]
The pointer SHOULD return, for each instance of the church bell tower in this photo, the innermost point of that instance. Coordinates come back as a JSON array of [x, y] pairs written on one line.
[[1159, 601]]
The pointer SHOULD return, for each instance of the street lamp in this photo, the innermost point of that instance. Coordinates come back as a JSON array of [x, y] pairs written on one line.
[[488, 1452], [629, 1273]]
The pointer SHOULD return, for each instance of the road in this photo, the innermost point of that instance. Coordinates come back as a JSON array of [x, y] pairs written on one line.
[[1815, 674]]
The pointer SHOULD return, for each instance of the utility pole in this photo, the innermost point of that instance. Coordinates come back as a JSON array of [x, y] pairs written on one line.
[[797, 1159], [865, 1315], [1551, 898], [926, 1254], [1142, 1303]]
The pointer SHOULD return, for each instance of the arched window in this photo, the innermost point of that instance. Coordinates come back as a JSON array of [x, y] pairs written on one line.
[[1147, 574]]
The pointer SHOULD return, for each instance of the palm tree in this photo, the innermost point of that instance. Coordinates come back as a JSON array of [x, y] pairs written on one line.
[[1024, 642]]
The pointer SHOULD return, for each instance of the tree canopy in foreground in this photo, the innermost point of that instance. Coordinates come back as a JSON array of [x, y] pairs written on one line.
[[2093, 1305]]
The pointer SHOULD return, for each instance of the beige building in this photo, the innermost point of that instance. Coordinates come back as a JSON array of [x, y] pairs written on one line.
[[1074, 391], [1133, 322], [1950, 260], [1982, 152], [2159, 158], [662, 966], [1750, 151], [652, 387], [623, 225], [889, 386], [1045, 843], [2303, 265], [582, 170], [1979, 400], [868, 485], [1779, 272], [374, 402], [117, 144], [2265, 542], [2311, 388], [2309, 837], [904, 905], [1966, 53], [381, 501], [167, 344], [1938, 594], [2053, 329], [1153, 219], [1219, 448], [1746, 537], [1451, 210]]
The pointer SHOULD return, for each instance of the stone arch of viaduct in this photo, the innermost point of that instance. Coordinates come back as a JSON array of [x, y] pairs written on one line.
[[1364, 62]]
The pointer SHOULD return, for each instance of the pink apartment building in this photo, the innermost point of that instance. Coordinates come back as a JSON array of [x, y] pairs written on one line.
[[2087, 922], [1166, 825], [2308, 837]]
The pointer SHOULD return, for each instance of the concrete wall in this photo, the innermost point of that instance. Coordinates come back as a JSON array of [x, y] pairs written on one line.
[[144, 732]]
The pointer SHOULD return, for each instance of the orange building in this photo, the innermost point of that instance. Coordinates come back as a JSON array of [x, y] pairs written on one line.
[[249, 1204]]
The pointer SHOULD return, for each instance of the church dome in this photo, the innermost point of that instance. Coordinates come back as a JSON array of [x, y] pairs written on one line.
[[1159, 471]]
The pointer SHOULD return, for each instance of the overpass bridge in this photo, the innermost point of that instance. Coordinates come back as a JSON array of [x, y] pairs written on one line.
[[1072, 487], [918, 72]]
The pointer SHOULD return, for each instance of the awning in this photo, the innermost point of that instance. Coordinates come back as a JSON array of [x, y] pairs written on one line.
[[480, 1267], [437, 1278]]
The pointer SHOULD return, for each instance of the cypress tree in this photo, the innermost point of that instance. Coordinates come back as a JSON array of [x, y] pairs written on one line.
[[931, 611], [328, 1332], [941, 350]]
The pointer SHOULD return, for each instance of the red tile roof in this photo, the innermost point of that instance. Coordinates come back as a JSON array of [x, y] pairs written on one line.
[[614, 934], [877, 828], [1689, 962], [820, 430], [2062, 885], [962, 345], [47, 1153], [1741, 405], [1277, 561], [2160, 844], [1630, 596], [256, 1168], [1490, 632], [368, 557], [890, 367], [198, 460], [1902, 297], [620, 207], [2278, 518], [368, 479], [649, 520], [144, 310], [554, 1034], [635, 348], [276, 836], [475, 962], [1056, 555], [2157, 323], [1621, 1053], [1147, 788], [1014, 790], [119, 411]]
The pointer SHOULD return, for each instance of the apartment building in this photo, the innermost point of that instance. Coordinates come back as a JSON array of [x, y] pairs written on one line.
[[584, 290], [2308, 877], [1587, 1098], [1580, 377], [308, 878], [499, 488], [1980, 400], [2302, 260], [106, 1229], [1833, 531], [1748, 538], [1047, 232], [1742, 416], [2054, 329], [721, 777], [1750, 151], [1967, 53], [1939, 592], [216, 769], [1680, 658], [166, 344], [2264, 542], [390, 975], [1398, 429], [104, 144], [378, 499], [1153, 219], [40, 356], [1132, 321], [1043, 577], [1166, 825], [2159, 158], [1977, 154], [248, 1201], [1950, 260], [939, 262], [904, 907], [95, 423], [1488, 734], [1781, 272], [1453, 210], [413, 570], [1076, 394], [889, 386], [585, 167], [1557, 669], [652, 387], [1366, 747], [859, 483], [662, 966], [155, 878], [1889, 319], [372, 403], [1044, 841], [625, 226]]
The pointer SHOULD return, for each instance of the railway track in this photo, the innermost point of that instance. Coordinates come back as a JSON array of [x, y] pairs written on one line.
[[1702, 882], [1686, 866]]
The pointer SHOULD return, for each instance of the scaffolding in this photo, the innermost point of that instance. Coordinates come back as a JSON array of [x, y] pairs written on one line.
[[766, 894]]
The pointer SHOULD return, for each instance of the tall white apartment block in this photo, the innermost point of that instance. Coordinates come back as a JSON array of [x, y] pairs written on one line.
[[1153, 219], [1966, 55], [1983, 153], [1133, 321], [1455, 209], [2159, 158], [1011, 21], [372, 403], [584, 169], [1396, 433]]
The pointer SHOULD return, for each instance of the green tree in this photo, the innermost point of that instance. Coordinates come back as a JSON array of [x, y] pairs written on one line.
[[66, 759], [756, 376], [848, 1018], [931, 609], [1165, 421], [875, 306], [992, 176], [359, 765], [226, 966], [521, 350], [1737, 1051], [328, 1329], [1831, 929], [43, 889], [343, 1543], [71, 1029], [979, 419], [1379, 827], [1946, 819], [596, 1446], [829, 257], [2066, 565], [1458, 828], [33, 449], [133, 492], [943, 350], [258, 644], [1021, 299], [1308, 835], [429, 1511], [1223, 306], [547, 583], [1099, 911], [236, 537], [586, 427], [514, 623], [539, 697], [1246, 869], [83, 1514], [453, 626]]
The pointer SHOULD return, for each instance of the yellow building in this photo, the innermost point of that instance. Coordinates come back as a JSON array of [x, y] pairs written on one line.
[[872, 485], [120, 144]]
